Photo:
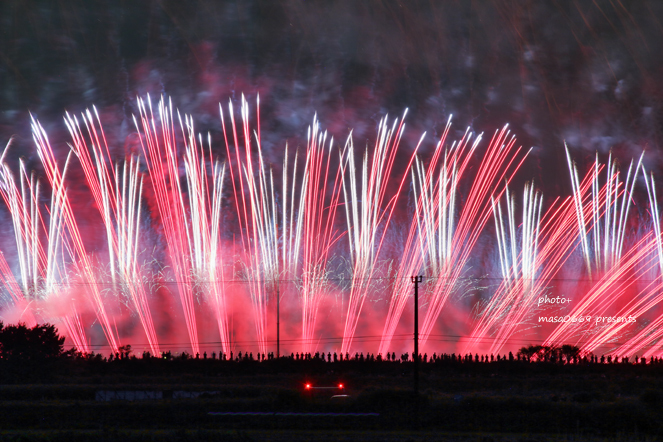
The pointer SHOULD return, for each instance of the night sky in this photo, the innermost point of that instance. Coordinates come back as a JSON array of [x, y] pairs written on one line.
[[582, 72], [586, 71]]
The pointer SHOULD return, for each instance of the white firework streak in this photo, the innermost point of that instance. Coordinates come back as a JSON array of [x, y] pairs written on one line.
[[518, 265], [318, 213], [203, 232], [556, 239], [43, 276], [498, 165], [648, 338], [159, 143], [368, 212], [25, 221], [117, 194], [600, 213], [78, 252], [255, 202], [607, 217], [429, 237]]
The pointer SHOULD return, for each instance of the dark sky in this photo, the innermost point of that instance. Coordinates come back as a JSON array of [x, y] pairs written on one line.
[[582, 71], [585, 72]]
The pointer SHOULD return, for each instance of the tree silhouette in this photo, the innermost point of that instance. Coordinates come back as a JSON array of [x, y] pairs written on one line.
[[18, 342], [533, 352]]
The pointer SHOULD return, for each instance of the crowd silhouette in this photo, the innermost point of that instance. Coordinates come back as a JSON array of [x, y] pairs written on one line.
[[532, 354], [42, 346]]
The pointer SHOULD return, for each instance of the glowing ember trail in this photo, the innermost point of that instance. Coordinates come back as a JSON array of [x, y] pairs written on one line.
[[117, 194], [518, 265], [431, 231], [257, 214], [82, 260], [319, 201], [222, 244], [601, 214], [646, 337], [369, 210], [498, 165], [556, 238], [205, 178], [159, 144], [43, 278]]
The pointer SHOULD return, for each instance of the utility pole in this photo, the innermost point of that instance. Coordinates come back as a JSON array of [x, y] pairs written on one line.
[[278, 320], [416, 280]]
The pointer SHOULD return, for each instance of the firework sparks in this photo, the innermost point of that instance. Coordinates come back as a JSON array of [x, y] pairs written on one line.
[[287, 231]]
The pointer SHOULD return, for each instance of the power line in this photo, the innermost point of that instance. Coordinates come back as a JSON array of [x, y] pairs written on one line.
[[295, 281], [363, 339]]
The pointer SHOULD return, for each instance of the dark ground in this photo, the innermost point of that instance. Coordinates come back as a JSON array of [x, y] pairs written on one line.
[[268, 401]]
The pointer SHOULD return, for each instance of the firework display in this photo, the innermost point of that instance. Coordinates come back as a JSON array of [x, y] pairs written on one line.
[[199, 244]]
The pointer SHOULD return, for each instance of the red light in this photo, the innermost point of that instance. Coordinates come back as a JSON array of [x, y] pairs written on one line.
[[340, 386], [308, 386]]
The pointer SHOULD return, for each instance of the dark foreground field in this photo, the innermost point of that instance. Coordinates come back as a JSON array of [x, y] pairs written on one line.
[[302, 435], [207, 400]]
